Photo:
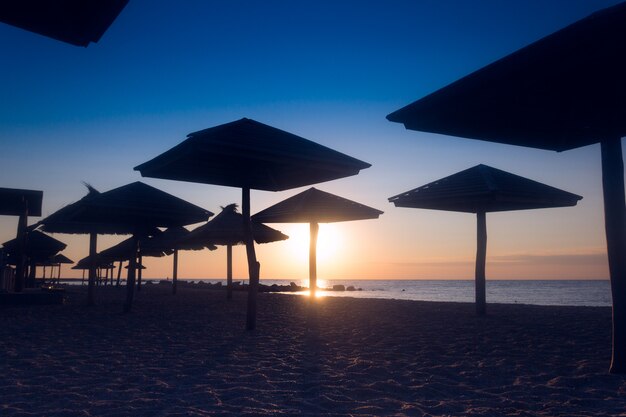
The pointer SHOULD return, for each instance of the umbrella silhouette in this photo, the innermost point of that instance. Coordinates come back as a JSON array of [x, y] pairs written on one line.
[[40, 247], [564, 91], [483, 189], [39, 250], [123, 252], [134, 208], [58, 260], [77, 22], [314, 206], [227, 229], [22, 203], [170, 241], [250, 155], [95, 262]]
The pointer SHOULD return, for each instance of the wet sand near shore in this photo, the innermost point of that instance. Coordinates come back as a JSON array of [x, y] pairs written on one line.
[[189, 355]]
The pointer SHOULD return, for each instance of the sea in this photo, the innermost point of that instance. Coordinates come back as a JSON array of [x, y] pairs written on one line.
[[595, 293]]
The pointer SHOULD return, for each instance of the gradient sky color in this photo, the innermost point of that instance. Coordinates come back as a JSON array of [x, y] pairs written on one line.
[[325, 70]]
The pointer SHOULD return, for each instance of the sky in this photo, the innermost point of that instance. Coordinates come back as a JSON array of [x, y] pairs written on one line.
[[327, 71]]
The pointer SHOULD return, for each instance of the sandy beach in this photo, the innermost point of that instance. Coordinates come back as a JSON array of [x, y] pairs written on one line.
[[190, 355]]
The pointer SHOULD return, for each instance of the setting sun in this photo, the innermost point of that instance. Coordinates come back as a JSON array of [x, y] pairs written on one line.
[[329, 246]]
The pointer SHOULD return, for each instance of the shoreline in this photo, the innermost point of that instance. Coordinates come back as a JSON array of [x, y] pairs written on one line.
[[189, 354], [559, 293]]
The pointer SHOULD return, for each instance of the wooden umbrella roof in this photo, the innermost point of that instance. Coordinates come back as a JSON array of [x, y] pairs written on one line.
[[124, 210], [172, 238], [38, 246], [100, 263], [77, 22], [123, 250], [249, 154], [61, 259], [484, 189], [317, 206], [227, 229], [564, 91], [12, 201]]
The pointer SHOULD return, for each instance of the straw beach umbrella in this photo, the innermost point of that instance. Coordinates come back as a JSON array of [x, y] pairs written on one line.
[[250, 155], [134, 208], [564, 91], [58, 260], [39, 246], [22, 203], [39, 250], [314, 206], [483, 189], [85, 264], [170, 241], [123, 251], [226, 229]]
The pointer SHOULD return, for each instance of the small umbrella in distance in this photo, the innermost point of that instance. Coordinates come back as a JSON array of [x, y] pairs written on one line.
[[170, 240], [21, 203], [314, 206], [40, 248], [227, 229], [58, 260], [124, 250]]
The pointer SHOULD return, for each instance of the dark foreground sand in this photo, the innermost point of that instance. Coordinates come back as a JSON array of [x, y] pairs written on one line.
[[188, 355]]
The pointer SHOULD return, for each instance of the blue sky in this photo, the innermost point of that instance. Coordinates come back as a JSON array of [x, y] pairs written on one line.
[[325, 70]]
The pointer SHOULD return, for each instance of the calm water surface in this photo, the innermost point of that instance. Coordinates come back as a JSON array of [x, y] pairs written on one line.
[[561, 293]]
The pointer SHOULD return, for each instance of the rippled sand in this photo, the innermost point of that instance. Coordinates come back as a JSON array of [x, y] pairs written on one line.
[[189, 355]]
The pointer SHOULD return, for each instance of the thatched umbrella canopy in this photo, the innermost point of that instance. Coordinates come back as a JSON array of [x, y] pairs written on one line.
[[40, 248], [77, 22], [314, 206], [123, 252], [250, 155], [96, 263], [134, 208], [22, 203], [564, 91], [58, 260], [170, 240], [226, 229], [482, 189], [54, 261]]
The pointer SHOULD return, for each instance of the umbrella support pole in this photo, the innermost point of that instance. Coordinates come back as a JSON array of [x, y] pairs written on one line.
[[481, 255], [229, 272], [22, 236], [130, 281], [175, 272], [139, 272], [313, 258], [253, 265], [615, 226], [119, 274], [93, 242]]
